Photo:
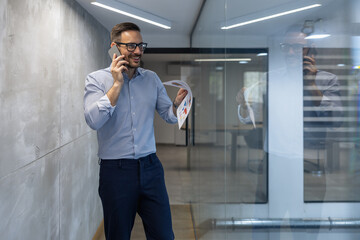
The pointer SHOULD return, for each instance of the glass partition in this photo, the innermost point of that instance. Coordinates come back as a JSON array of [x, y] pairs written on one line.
[[273, 135], [331, 128]]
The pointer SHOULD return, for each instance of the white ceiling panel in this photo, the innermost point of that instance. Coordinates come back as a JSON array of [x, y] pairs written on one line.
[[183, 14]]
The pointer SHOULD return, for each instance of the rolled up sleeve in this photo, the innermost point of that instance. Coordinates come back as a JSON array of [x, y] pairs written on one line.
[[241, 118], [164, 105], [172, 117], [97, 106], [330, 105]]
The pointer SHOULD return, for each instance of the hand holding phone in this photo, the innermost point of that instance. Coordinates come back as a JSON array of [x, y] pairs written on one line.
[[309, 64], [118, 65], [112, 50], [312, 52]]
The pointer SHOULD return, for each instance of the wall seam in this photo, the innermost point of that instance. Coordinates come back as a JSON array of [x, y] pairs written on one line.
[[45, 155]]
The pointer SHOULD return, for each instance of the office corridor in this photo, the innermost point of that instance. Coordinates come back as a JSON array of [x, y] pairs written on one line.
[[302, 162]]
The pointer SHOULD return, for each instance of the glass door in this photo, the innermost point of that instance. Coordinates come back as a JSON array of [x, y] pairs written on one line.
[[276, 132]]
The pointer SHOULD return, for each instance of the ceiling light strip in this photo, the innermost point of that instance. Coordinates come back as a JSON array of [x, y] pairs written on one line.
[[222, 59], [317, 36], [126, 13], [271, 16]]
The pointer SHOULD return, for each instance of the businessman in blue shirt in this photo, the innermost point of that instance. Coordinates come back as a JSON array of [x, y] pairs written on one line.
[[120, 102]]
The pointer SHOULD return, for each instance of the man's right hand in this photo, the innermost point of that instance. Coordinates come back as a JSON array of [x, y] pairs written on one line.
[[240, 98], [116, 69], [118, 66]]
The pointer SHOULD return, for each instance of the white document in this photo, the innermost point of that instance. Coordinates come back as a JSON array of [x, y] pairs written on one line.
[[246, 96], [185, 106]]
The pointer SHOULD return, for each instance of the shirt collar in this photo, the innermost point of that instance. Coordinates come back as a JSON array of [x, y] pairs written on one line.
[[138, 71]]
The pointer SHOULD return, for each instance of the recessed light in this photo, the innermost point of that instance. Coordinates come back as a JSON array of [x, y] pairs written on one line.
[[219, 68], [262, 54]]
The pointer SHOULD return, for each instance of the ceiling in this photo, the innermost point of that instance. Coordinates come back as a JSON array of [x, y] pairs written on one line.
[[183, 15]]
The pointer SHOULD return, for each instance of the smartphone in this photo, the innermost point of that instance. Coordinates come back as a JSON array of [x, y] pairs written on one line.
[[113, 50], [311, 52]]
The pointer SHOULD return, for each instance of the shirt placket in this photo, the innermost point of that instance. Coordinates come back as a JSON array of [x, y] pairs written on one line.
[[133, 118]]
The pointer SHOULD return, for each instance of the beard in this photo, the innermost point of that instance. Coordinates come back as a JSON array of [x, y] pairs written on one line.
[[132, 62]]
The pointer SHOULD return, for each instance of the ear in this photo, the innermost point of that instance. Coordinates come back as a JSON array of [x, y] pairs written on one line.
[[112, 44]]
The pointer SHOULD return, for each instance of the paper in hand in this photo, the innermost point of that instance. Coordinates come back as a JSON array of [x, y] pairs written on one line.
[[185, 106], [250, 110]]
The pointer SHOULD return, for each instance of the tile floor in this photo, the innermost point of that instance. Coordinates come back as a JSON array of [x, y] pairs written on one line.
[[212, 182]]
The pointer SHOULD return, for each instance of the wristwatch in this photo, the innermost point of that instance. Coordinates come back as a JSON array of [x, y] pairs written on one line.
[[175, 105]]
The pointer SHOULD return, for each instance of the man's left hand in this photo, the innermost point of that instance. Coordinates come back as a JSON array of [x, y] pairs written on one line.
[[181, 94]]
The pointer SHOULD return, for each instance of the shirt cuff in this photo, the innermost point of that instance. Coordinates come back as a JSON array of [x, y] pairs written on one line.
[[172, 116], [105, 105], [325, 100], [242, 119], [326, 104]]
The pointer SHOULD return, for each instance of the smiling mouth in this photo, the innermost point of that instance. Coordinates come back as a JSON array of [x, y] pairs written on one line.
[[136, 57]]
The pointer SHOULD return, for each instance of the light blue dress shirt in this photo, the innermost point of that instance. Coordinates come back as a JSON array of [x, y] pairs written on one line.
[[126, 130]]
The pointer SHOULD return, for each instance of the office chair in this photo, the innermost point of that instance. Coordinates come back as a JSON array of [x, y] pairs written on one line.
[[254, 140]]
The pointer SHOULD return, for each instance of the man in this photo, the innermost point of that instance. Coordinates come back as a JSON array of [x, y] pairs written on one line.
[[119, 103]]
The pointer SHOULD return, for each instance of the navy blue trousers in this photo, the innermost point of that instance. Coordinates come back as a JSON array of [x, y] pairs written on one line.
[[127, 186]]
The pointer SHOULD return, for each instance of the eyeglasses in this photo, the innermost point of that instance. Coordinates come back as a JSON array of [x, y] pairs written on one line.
[[132, 46], [295, 47]]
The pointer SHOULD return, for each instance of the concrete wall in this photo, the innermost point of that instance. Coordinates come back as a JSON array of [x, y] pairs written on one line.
[[48, 163]]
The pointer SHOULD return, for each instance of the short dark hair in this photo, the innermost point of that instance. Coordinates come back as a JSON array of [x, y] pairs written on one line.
[[121, 27]]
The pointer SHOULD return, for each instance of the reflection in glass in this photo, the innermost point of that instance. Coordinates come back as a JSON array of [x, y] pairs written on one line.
[[227, 152], [282, 129], [330, 129], [222, 142]]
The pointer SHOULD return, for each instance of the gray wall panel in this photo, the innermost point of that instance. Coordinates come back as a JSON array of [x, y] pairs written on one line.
[[85, 49], [31, 90], [29, 206], [48, 162], [79, 200]]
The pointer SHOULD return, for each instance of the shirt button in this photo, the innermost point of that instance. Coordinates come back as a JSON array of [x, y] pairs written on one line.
[[134, 129], [133, 114], [135, 146], [132, 97]]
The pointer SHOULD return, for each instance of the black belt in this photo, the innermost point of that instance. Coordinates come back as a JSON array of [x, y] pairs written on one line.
[[148, 158]]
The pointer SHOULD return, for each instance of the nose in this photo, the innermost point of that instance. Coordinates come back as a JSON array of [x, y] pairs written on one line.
[[137, 50], [291, 51]]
